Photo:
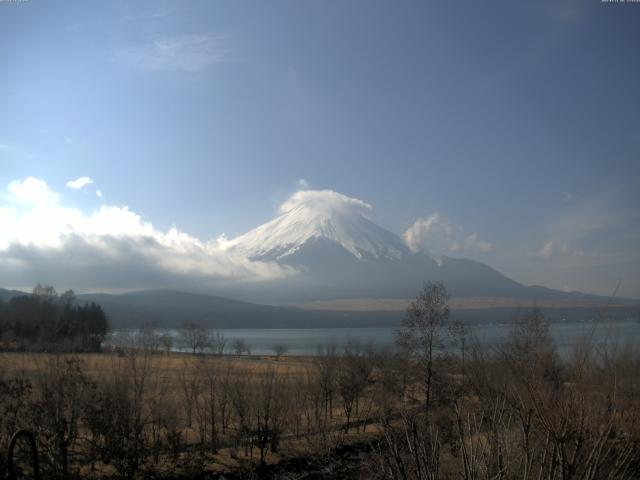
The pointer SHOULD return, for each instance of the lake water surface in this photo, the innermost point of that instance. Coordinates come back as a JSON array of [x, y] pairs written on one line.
[[306, 341]]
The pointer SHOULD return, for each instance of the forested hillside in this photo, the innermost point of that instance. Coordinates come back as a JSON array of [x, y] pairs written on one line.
[[46, 320]]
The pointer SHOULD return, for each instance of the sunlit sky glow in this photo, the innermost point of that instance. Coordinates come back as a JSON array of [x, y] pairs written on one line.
[[141, 132]]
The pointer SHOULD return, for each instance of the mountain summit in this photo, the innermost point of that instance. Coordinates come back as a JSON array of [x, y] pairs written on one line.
[[338, 252], [312, 217]]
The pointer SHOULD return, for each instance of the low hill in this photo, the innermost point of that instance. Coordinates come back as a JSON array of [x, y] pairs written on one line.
[[6, 295], [171, 309], [168, 308]]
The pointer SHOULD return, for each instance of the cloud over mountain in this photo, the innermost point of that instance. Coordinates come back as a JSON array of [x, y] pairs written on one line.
[[326, 201], [436, 235], [113, 247], [312, 215], [323, 244], [43, 240]]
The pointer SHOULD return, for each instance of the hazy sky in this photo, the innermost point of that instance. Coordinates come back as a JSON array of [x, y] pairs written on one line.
[[517, 123]]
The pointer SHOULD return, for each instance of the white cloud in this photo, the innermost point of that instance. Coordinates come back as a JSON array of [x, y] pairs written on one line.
[[473, 243], [436, 235], [99, 193], [558, 249], [546, 250], [599, 230], [433, 232], [568, 196], [79, 183], [33, 191], [45, 241], [187, 53], [303, 183], [325, 200]]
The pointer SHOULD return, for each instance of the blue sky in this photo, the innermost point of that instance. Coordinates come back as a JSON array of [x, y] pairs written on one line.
[[518, 123]]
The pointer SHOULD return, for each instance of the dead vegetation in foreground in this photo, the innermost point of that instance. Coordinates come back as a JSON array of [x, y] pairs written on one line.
[[149, 414], [424, 412]]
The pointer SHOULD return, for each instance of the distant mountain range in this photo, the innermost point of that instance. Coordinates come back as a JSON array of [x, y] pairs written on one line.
[[168, 308], [348, 271], [341, 254], [6, 295], [171, 309]]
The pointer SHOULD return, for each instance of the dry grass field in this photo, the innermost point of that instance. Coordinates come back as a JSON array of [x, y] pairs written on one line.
[[519, 411], [179, 412], [172, 364]]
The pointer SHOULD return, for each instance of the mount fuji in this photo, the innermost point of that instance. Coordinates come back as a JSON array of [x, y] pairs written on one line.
[[312, 216], [339, 269], [339, 253]]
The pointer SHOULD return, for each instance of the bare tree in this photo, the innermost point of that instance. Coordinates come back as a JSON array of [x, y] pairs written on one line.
[[353, 377], [410, 451], [422, 330], [166, 341], [223, 396], [118, 418], [326, 361], [268, 396], [58, 404], [206, 407], [240, 346], [279, 349], [148, 338], [191, 386], [218, 343], [195, 337], [241, 401]]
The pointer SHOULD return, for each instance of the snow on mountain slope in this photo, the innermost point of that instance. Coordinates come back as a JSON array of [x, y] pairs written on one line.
[[337, 252], [313, 215]]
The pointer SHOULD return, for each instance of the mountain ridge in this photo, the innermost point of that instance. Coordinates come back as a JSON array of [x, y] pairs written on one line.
[[165, 308], [339, 253]]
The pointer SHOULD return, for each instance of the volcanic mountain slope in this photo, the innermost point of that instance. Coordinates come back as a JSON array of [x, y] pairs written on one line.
[[341, 253], [311, 216]]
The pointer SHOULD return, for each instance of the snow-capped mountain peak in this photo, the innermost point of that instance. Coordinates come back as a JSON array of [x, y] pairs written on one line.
[[337, 252], [320, 215]]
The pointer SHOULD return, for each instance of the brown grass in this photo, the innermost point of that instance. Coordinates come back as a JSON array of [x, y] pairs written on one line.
[[172, 364]]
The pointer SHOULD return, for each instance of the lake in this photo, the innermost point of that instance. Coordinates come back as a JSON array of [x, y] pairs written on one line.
[[300, 341]]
